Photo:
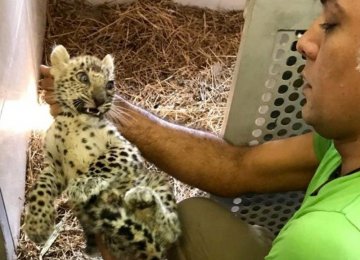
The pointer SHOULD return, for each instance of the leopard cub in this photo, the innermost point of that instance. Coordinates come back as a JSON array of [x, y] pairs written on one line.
[[111, 192]]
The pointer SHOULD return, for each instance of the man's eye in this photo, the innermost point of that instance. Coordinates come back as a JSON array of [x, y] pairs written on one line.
[[328, 27], [83, 77], [110, 85]]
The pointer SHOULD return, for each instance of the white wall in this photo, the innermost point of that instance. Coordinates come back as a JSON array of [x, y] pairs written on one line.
[[22, 27], [213, 4]]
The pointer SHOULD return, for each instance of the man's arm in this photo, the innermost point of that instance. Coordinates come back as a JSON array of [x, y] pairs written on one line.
[[208, 162]]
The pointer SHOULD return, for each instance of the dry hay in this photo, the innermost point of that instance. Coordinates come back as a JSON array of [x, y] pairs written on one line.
[[173, 60]]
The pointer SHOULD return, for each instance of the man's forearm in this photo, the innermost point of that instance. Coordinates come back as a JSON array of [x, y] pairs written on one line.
[[195, 157]]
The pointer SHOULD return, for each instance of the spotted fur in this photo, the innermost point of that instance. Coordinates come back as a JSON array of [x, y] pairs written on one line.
[[102, 173]]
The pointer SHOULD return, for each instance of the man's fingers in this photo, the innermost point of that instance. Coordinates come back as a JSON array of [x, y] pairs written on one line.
[[46, 81], [46, 84], [55, 110], [45, 71], [102, 248], [49, 98]]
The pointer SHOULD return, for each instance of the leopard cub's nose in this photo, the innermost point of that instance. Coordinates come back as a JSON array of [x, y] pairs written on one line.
[[99, 100]]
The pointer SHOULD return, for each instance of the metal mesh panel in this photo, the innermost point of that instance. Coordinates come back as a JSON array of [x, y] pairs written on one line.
[[279, 110], [278, 116], [270, 210], [266, 98]]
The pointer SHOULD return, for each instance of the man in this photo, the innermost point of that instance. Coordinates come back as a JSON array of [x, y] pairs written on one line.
[[327, 226]]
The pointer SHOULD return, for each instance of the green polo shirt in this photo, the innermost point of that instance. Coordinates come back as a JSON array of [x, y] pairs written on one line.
[[327, 226]]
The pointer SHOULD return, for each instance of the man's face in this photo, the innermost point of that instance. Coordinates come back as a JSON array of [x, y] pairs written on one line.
[[332, 50]]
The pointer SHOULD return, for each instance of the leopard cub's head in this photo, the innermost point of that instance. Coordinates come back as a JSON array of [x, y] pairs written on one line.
[[83, 84]]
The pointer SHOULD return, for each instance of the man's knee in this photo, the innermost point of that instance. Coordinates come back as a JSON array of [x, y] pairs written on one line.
[[212, 232]]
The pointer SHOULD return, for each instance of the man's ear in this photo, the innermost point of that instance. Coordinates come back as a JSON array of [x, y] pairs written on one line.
[[108, 64], [59, 57]]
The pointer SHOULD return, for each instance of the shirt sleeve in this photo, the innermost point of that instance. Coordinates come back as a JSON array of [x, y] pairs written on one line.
[[321, 145], [318, 235]]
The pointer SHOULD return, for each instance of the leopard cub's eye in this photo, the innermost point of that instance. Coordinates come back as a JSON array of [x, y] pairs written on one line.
[[83, 77], [110, 85]]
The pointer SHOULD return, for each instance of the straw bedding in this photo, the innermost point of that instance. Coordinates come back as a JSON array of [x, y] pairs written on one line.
[[172, 60]]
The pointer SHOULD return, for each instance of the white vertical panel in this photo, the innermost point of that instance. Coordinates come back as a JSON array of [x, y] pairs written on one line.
[[22, 25]]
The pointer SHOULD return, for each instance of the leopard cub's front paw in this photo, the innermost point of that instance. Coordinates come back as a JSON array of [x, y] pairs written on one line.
[[172, 227], [82, 189], [140, 198], [39, 223]]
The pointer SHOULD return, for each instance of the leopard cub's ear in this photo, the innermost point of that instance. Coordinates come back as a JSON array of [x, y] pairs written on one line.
[[108, 64], [59, 57]]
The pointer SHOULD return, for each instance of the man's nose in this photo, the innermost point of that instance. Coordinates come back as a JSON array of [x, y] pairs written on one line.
[[309, 43], [307, 48]]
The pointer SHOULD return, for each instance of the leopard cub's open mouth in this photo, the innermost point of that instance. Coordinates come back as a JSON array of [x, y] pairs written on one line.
[[93, 111], [81, 107]]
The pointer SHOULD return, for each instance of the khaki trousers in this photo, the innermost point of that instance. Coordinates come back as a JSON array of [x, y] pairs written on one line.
[[211, 232]]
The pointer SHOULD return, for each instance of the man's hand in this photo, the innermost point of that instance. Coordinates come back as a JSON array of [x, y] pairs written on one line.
[[103, 250], [46, 83]]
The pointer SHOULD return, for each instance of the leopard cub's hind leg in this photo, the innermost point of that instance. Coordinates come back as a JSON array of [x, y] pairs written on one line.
[[40, 212]]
